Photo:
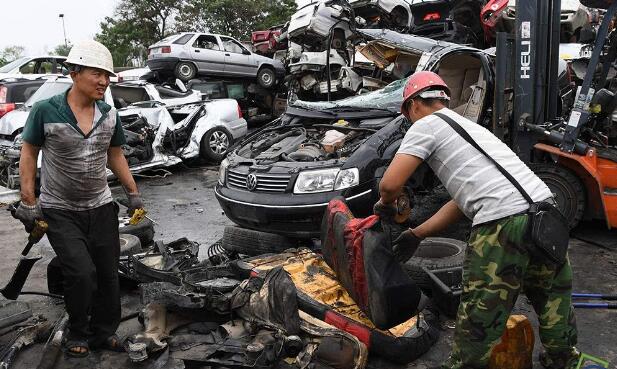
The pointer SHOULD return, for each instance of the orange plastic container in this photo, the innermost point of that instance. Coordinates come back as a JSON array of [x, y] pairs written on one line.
[[516, 347]]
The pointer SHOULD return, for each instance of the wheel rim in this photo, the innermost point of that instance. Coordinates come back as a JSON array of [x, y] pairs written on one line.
[[185, 70], [266, 78], [219, 142]]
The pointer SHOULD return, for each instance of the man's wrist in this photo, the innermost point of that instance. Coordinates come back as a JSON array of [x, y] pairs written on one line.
[[417, 233], [28, 199]]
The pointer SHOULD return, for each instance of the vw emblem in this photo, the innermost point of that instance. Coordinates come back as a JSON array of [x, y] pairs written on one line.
[[251, 182]]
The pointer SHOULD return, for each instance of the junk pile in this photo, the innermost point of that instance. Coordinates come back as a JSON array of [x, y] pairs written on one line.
[[294, 309]]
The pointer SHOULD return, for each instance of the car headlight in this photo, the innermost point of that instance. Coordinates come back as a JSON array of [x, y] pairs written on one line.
[[223, 171], [323, 180]]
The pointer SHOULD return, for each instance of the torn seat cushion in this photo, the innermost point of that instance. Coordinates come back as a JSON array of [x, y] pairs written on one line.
[[361, 255]]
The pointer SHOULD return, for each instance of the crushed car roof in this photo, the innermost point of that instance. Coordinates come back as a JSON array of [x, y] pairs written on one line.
[[406, 42]]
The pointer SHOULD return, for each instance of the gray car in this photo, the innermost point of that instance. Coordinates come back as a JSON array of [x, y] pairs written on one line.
[[190, 54]]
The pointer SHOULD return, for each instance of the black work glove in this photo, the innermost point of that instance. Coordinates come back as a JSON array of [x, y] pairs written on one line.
[[405, 246], [134, 202], [27, 214], [386, 212]]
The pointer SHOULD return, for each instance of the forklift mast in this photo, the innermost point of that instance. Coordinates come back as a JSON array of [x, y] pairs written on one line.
[[527, 71]]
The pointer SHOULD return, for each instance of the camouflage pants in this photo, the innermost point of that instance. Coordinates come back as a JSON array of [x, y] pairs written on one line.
[[497, 268]]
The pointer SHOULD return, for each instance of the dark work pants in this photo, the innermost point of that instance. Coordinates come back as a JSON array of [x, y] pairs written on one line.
[[88, 247]]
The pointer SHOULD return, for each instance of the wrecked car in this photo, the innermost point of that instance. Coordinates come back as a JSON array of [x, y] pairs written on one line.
[[157, 135], [187, 55], [447, 20], [500, 16], [34, 67], [279, 179], [15, 91], [391, 14], [268, 41], [130, 92], [314, 23]]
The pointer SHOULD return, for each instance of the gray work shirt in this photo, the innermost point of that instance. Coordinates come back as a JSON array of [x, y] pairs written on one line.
[[73, 168]]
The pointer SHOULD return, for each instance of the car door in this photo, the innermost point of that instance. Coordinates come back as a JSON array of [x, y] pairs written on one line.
[[238, 60], [208, 54]]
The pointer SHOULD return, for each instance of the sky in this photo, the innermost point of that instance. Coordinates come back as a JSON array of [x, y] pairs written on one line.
[[35, 24]]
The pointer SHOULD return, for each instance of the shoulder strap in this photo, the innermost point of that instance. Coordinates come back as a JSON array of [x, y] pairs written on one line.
[[452, 123]]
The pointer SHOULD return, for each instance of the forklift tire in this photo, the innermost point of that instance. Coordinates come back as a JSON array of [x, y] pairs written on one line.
[[250, 242], [214, 145], [567, 188], [434, 253]]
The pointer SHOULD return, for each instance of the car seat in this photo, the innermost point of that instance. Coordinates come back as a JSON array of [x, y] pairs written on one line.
[[460, 72]]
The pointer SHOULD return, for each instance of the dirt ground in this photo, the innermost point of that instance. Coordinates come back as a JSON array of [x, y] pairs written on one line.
[[183, 205]]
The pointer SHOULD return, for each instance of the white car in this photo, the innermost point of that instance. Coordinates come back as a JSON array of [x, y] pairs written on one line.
[[157, 135], [130, 92], [131, 74], [312, 24], [34, 67], [384, 13]]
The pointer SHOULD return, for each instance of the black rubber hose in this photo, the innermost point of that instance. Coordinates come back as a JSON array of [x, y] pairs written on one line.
[[56, 296]]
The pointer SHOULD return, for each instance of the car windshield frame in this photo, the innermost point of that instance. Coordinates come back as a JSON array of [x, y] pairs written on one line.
[[388, 98], [12, 65], [47, 90]]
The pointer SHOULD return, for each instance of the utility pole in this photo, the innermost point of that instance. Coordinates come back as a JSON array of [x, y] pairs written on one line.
[[63, 29]]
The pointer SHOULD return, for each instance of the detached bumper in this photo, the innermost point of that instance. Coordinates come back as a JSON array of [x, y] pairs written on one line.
[[284, 213], [166, 64]]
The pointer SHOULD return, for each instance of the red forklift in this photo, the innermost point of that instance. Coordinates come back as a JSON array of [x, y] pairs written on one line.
[[574, 153]]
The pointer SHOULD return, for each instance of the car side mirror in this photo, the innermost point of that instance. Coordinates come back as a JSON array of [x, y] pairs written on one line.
[[246, 52]]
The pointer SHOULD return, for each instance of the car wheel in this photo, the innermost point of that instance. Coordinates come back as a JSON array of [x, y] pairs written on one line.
[[251, 242], [129, 245], [185, 71], [266, 77], [214, 144], [143, 230], [566, 187], [400, 17], [434, 253]]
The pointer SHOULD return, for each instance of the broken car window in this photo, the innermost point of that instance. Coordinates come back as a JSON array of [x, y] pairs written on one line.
[[232, 46], [207, 42]]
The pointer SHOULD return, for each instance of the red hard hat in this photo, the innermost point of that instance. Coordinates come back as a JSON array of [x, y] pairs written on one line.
[[420, 82]]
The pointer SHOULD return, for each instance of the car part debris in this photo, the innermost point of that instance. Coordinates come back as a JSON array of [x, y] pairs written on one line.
[[162, 262], [13, 312], [54, 344], [359, 251], [25, 336]]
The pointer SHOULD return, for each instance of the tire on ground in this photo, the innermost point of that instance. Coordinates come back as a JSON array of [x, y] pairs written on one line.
[[434, 253], [266, 77], [129, 245], [144, 230], [567, 187], [251, 242], [223, 140], [185, 71]]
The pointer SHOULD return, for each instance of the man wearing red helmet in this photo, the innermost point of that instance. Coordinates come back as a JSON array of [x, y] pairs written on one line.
[[499, 262]]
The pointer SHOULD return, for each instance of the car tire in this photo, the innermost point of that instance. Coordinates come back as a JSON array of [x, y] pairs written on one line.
[[215, 144], [129, 245], [266, 77], [185, 71], [567, 187], [143, 230], [434, 253], [251, 242]]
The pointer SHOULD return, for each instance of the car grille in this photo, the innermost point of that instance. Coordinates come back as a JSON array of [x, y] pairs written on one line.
[[265, 182]]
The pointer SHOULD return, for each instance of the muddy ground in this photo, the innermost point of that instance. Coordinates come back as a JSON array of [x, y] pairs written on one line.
[[183, 205]]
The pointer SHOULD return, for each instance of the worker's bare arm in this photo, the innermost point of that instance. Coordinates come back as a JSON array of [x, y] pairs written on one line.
[[27, 172], [397, 174], [448, 214], [118, 165]]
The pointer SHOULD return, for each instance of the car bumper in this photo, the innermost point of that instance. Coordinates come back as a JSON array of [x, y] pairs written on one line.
[[288, 214], [157, 64]]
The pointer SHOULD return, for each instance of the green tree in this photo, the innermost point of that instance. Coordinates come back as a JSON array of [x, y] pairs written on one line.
[[136, 25], [10, 53], [63, 49], [236, 18]]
